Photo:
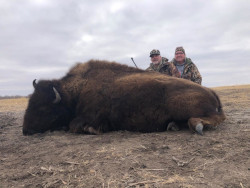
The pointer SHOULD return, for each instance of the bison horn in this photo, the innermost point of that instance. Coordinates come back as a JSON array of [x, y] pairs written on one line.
[[34, 83], [58, 97]]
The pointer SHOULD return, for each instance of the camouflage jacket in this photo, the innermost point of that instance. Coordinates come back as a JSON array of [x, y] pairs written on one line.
[[164, 67], [190, 71]]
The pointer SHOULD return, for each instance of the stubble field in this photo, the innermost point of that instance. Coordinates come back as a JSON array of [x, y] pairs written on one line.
[[220, 158]]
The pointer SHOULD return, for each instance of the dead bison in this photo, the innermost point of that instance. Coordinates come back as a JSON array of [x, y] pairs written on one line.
[[100, 96]]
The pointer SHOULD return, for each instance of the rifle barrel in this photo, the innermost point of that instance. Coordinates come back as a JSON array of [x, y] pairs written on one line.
[[133, 62]]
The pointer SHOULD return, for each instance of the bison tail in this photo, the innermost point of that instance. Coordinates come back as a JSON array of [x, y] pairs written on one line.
[[220, 116], [219, 105]]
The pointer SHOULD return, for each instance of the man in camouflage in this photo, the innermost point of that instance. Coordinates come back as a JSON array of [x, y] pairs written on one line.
[[161, 64], [186, 68]]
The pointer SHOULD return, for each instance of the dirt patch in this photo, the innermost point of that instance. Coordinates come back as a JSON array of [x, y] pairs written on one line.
[[220, 158]]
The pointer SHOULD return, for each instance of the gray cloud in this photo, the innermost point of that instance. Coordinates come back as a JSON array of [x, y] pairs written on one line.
[[43, 39]]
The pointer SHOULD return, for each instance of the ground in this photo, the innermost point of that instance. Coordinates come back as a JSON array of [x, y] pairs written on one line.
[[220, 158]]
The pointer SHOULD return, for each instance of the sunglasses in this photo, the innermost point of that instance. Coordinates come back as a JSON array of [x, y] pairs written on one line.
[[154, 55]]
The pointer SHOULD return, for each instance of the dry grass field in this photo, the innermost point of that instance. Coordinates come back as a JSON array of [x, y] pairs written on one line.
[[220, 158]]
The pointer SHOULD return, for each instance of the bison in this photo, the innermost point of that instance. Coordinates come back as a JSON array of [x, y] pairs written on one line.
[[100, 96]]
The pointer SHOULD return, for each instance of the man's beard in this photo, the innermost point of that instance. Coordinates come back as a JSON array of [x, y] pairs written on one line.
[[156, 62]]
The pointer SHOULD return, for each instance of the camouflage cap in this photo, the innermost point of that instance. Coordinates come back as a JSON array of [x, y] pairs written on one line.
[[154, 52], [180, 48]]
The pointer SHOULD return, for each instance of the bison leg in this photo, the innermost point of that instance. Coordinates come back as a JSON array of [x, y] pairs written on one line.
[[79, 126], [196, 125], [172, 126]]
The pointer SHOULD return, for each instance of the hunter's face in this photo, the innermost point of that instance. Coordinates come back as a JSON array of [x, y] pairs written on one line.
[[156, 59], [180, 56]]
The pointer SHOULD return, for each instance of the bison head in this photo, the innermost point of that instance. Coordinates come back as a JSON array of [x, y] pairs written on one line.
[[46, 109]]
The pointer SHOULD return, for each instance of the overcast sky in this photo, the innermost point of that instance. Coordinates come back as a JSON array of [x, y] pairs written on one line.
[[42, 39]]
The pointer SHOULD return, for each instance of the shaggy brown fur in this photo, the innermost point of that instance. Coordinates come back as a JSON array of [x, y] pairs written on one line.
[[100, 96]]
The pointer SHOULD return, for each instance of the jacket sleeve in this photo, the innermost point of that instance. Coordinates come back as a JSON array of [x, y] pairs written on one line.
[[170, 69], [174, 71], [149, 69], [196, 76]]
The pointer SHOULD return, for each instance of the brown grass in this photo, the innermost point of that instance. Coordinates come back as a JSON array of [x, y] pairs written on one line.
[[13, 105], [237, 95]]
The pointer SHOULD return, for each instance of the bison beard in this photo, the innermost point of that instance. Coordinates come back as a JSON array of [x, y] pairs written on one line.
[[100, 96]]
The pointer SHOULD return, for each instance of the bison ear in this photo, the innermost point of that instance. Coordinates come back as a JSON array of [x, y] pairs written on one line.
[[58, 97], [34, 83]]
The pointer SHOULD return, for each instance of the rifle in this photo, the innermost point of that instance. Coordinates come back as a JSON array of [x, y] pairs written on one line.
[[134, 62]]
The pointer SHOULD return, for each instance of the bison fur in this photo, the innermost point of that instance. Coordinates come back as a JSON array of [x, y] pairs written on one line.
[[100, 96]]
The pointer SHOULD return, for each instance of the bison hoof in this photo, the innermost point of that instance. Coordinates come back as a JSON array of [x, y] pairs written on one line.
[[199, 129], [172, 126], [91, 130]]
